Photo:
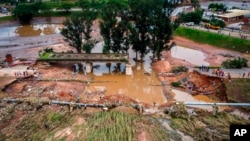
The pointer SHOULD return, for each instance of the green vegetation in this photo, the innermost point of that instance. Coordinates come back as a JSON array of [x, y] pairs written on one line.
[[6, 18], [24, 12], [205, 126], [57, 14], [236, 63], [179, 69], [176, 84], [238, 90], [195, 16], [45, 55], [216, 22], [66, 6], [214, 39], [46, 124], [112, 126], [78, 27], [150, 30], [217, 7]]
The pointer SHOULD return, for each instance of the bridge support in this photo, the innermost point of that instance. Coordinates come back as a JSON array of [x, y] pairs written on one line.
[[129, 69], [83, 68], [88, 67]]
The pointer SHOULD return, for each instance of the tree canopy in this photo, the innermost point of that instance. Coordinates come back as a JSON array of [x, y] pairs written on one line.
[[78, 27], [24, 12], [217, 7], [195, 16], [142, 24]]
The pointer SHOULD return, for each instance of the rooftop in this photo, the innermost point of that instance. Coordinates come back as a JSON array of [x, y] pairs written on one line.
[[234, 13]]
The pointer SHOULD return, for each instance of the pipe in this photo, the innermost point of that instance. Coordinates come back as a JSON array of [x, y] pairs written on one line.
[[10, 100], [217, 104], [77, 104]]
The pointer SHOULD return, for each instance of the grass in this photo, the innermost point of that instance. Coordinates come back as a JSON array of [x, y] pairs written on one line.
[[206, 126], [238, 90], [45, 55], [46, 124], [7, 18], [113, 126], [119, 126], [214, 39]]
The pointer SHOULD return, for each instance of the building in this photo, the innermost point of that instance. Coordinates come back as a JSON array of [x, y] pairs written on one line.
[[234, 15]]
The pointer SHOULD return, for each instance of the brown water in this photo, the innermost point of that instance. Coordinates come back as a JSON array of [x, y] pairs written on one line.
[[142, 87], [30, 30], [186, 97]]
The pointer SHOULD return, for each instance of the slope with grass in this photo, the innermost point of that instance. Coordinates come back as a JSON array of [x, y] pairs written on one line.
[[22, 122], [238, 90], [214, 39]]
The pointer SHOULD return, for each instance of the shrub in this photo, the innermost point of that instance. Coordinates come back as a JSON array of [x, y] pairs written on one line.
[[176, 84], [236, 63], [217, 22], [48, 50], [179, 69]]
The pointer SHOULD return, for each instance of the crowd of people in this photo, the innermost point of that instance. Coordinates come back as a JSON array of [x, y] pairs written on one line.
[[221, 73]]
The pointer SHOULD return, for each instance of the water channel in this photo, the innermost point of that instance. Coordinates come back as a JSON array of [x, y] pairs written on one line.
[[142, 85]]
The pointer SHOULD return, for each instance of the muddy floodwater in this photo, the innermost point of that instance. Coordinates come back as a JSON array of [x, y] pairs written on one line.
[[30, 30], [192, 56], [142, 85], [184, 96]]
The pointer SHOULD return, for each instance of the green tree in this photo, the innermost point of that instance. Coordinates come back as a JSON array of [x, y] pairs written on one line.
[[113, 30], [217, 22], [78, 27], [236, 63], [140, 9], [152, 28], [24, 12], [217, 7], [195, 3], [46, 9], [65, 6], [195, 16]]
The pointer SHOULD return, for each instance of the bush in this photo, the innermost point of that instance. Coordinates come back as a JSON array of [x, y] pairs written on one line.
[[192, 17], [217, 22], [48, 50], [176, 84], [179, 69], [236, 63]]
